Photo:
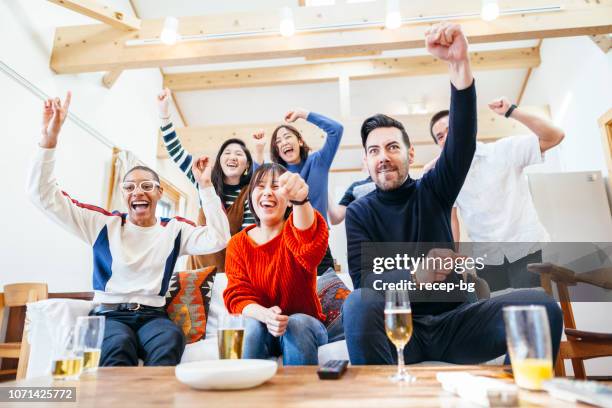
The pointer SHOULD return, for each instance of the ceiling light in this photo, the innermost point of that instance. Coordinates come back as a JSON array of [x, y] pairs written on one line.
[[393, 18], [169, 34], [287, 25], [490, 10]]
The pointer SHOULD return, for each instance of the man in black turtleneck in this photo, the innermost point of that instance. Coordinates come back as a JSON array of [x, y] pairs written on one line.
[[402, 209]]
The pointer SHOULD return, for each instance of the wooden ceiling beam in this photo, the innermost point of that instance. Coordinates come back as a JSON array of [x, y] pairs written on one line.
[[360, 69], [101, 12], [207, 139], [101, 48]]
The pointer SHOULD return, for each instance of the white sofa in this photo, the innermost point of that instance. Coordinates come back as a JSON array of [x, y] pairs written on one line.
[[64, 311]]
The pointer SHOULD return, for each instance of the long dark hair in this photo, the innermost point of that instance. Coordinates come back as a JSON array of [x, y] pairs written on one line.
[[217, 171], [274, 153], [268, 168]]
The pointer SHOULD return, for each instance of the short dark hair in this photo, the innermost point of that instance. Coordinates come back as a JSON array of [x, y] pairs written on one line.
[[274, 153], [217, 171], [144, 168], [434, 119], [382, 121], [276, 170]]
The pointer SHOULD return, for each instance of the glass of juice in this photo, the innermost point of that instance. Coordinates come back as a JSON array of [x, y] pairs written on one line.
[[89, 332], [230, 336], [529, 345], [66, 363]]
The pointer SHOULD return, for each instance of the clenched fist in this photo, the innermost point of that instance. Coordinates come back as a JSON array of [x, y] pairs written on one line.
[[447, 42], [293, 187], [202, 169], [500, 105], [295, 114], [163, 103], [259, 138]]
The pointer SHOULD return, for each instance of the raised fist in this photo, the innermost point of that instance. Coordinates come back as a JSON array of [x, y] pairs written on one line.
[[202, 169], [447, 42], [259, 138], [295, 114], [500, 105], [163, 103], [293, 187]]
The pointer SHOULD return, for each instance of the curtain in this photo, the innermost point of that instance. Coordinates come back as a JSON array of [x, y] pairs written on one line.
[[122, 161]]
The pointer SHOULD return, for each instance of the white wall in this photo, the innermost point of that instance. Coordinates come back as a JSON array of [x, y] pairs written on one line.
[[31, 247]]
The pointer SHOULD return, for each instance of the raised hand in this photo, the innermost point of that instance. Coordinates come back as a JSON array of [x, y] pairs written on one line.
[[500, 105], [295, 114], [202, 169], [293, 187], [276, 323], [54, 115], [163, 103], [447, 42], [259, 138]]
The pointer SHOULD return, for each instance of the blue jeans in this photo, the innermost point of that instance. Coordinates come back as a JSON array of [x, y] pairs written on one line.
[[298, 346], [472, 333], [149, 335]]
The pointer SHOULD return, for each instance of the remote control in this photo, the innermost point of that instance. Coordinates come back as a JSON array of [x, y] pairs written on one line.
[[332, 370]]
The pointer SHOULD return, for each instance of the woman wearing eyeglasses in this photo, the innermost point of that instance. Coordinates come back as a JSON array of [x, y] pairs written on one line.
[[133, 253], [230, 176]]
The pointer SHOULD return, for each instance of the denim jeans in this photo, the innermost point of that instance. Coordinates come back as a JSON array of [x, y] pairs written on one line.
[[298, 346], [149, 335], [472, 333]]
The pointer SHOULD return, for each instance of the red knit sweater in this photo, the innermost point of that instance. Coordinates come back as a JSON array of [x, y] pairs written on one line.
[[282, 272]]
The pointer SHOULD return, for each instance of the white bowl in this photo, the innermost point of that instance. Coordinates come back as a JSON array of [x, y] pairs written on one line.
[[225, 374]]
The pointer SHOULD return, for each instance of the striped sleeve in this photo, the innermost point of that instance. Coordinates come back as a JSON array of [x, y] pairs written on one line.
[[176, 151]]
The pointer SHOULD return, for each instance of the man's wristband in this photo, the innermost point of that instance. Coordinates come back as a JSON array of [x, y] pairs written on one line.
[[510, 110], [304, 201]]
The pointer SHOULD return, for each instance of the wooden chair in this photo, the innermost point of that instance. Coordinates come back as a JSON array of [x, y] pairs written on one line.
[[580, 345], [18, 294]]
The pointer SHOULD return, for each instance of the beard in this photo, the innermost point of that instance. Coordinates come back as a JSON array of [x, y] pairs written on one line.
[[392, 178]]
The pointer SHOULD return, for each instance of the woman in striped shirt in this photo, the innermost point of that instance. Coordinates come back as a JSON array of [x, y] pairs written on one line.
[[231, 174]]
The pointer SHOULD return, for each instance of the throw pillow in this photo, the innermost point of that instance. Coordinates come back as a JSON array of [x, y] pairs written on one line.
[[332, 292], [188, 301]]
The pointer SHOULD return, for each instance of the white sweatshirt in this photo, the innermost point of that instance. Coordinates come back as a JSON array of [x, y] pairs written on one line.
[[131, 263]]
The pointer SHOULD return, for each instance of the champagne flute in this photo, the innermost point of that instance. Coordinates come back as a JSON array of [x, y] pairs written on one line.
[[398, 325]]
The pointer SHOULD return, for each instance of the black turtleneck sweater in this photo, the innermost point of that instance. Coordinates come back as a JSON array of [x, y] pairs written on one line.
[[418, 210]]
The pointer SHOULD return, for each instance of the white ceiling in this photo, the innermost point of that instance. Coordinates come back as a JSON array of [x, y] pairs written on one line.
[[268, 104]]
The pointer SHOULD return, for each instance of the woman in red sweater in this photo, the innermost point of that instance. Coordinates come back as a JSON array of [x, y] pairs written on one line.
[[272, 270]]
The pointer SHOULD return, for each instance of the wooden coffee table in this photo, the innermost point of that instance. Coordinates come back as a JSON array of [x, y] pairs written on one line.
[[361, 386]]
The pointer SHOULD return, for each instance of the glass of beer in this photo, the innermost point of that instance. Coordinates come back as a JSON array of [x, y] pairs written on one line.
[[66, 364], [230, 336], [398, 325], [529, 345], [89, 332]]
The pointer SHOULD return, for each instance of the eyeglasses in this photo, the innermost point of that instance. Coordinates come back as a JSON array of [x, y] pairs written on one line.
[[145, 186]]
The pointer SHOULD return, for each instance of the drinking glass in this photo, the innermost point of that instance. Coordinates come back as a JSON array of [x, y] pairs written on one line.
[[89, 333], [66, 364], [398, 325], [529, 345], [230, 336]]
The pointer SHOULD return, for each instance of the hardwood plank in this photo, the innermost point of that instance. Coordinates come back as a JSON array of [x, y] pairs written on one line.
[[516, 58], [109, 79], [101, 48]]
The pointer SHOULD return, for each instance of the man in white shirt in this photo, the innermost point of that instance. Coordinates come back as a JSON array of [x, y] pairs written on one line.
[[495, 202], [134, 253]]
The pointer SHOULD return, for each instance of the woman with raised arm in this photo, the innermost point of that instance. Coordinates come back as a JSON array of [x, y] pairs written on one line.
[[287, 147], [271, 270], [133, 253], [231, 174]]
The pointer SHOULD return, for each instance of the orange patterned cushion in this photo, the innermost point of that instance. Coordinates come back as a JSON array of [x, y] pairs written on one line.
[[188, 301]]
